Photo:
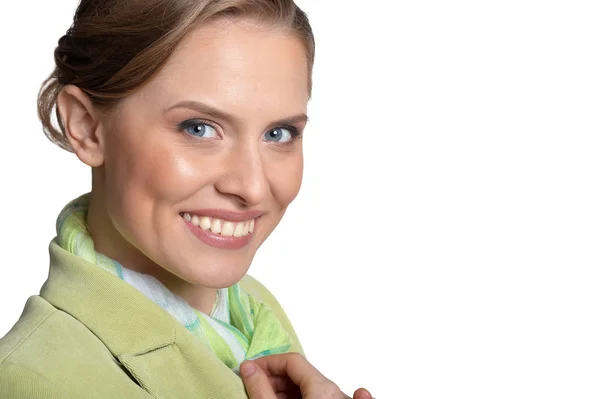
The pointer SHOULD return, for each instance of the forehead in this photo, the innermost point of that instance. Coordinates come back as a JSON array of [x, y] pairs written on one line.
[[238, 66]]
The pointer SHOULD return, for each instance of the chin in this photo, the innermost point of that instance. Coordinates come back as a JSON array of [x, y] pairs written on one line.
[[216, 275]]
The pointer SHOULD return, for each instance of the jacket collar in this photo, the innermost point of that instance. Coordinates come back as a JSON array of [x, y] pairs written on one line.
[[159, 352]]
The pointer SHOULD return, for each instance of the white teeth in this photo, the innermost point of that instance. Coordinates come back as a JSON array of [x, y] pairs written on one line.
[[220, 226], [196, 221], [227, 230], [216, 226], [239, 230], [205, 223]]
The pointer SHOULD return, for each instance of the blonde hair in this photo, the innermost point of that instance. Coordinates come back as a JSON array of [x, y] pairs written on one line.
[[114, 46]]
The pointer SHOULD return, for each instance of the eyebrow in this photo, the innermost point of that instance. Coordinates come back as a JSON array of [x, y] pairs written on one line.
[[218, 114]]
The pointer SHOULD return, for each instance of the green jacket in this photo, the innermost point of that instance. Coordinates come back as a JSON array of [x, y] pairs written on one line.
[[91, 335]]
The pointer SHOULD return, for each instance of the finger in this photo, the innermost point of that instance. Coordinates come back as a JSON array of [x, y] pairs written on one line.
[[288, 395], [300, 372], [256, 382], [362, 393], [281, 384], [293, 365], [281, 364]]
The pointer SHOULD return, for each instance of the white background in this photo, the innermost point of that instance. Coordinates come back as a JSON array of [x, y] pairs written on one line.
[[445, 243]]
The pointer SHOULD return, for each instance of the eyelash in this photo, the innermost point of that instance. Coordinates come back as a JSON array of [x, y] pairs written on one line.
[[193, 122]]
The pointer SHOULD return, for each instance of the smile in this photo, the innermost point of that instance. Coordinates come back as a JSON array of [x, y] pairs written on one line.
[[221, 227]]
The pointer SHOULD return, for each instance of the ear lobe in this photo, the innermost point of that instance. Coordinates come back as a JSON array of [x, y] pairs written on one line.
[[80, 119]]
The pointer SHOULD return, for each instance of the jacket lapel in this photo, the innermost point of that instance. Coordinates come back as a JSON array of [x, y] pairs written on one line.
[[162, 356]]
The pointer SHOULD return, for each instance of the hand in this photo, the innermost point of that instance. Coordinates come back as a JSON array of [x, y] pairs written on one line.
[[290, 376]]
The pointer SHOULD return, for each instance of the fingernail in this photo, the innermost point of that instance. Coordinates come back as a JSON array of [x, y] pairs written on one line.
[[247, 369]]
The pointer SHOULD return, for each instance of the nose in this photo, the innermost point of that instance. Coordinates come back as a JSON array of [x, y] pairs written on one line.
[[243, 175]]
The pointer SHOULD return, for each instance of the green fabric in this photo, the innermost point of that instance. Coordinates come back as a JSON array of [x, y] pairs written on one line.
[[91, 335], [239, 328]]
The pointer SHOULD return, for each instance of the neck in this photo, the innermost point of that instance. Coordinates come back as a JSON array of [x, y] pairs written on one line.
[[109, 242]]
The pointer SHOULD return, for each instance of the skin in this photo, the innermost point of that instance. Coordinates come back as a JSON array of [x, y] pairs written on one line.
[[146, 170], [290, 376]]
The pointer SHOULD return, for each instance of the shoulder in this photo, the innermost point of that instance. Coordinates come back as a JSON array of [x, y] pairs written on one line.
[[18, 379], [48, 345], [43, 334], [253, 287], [32, 320]]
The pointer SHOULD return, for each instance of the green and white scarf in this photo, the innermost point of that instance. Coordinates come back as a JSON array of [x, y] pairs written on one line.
[[238, 328]]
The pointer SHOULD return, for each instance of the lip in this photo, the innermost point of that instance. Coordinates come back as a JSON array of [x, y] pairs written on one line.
[[230, 216], [217, 240]]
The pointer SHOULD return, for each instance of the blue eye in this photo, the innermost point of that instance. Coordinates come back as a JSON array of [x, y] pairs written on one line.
[[280, 135], [199, 129]]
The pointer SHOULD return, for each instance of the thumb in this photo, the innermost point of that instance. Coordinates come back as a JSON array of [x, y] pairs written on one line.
[[362, 393], [256, 381]]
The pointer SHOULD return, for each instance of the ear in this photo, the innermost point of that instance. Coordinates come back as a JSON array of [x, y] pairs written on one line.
[[81, 122]]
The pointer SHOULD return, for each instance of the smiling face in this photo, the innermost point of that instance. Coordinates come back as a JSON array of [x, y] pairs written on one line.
[[201, 162]]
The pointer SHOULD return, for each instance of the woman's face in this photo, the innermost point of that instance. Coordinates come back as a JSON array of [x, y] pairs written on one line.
[[201, 163]]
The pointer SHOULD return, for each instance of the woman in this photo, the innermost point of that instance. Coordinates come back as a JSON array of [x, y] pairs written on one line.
[[190, 114]]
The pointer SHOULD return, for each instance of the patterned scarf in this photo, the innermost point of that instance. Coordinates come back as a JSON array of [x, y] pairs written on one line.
[[238, 328]]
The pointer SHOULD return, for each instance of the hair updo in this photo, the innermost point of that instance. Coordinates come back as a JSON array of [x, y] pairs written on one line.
[[114, 46]]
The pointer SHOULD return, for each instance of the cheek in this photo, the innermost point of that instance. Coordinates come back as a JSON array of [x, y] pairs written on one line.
[[149, 168], [286, 180], [170, 176]]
